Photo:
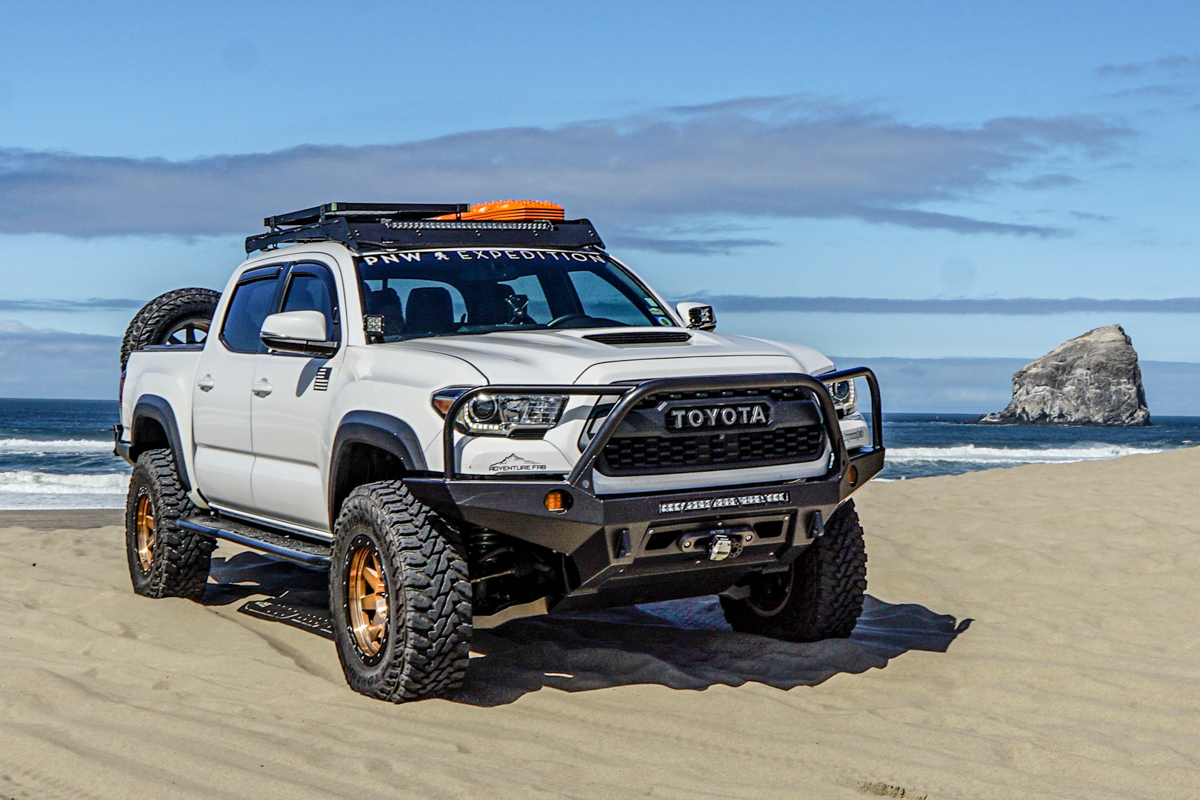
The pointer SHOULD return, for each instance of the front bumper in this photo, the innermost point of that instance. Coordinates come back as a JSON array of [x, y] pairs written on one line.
[[621, 549]]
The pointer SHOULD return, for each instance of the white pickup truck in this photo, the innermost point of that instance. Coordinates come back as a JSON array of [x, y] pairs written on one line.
[[468, 414]]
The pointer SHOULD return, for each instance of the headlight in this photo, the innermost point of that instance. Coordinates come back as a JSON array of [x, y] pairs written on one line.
[[502, 414], [845, 399]]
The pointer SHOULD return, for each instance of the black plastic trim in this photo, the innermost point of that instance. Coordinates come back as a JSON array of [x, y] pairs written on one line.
[[151, 406], [382, 431]]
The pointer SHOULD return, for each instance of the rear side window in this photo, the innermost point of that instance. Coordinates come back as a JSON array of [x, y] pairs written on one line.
[[252, 302]]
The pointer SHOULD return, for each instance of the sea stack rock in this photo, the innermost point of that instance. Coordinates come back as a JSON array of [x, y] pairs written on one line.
[[1093, 379]]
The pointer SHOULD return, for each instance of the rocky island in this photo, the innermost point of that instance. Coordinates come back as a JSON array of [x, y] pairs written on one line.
[[1093, 379]]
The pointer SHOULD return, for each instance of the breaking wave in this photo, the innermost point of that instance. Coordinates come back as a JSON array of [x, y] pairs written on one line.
[[50, 483], [38, 446], [27, 489], [1012, 456]]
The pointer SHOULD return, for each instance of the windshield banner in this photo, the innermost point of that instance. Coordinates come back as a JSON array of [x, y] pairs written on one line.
[[480, 255]]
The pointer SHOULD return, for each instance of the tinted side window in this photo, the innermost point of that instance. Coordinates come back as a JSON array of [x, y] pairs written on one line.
[[251, 303], [311, 288]]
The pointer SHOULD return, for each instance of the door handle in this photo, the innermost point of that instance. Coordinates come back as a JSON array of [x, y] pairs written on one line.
[[262, 388], [206, 383]]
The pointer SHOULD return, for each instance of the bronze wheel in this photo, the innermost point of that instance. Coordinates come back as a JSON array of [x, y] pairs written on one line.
[[367, 599], [144, 529], [399, 596]]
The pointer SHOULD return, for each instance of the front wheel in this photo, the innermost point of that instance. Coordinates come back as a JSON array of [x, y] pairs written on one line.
[[819, 597], [399, 596]]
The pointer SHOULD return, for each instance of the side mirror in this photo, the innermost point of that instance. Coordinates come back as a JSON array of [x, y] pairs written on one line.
[[698, 316], [301, 332]]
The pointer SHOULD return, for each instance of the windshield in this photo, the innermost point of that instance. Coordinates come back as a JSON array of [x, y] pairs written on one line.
[[441, 292]]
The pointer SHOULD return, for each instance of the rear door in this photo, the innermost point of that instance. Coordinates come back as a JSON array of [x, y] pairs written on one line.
[[221, 398], [292, 398]]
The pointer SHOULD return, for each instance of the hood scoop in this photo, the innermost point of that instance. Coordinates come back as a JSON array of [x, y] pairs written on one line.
[[640, 337]]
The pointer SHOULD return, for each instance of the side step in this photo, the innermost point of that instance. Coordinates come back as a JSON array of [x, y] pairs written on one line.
[[280, 545]]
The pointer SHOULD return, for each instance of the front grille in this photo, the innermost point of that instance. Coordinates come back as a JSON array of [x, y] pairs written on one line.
[[643, 455]]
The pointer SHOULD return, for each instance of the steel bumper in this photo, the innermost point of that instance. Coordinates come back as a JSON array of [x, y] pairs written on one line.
[[630, 548]]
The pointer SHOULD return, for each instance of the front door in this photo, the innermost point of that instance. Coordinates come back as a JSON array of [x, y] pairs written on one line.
[[221, 396], [292, 397]]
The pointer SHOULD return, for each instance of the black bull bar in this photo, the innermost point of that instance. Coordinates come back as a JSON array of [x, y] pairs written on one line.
[[585, 530]]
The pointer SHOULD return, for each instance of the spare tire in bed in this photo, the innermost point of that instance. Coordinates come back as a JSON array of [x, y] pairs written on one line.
[[181, 317]]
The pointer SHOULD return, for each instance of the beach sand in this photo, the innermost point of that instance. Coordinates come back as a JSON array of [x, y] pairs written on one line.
[[1030, 632]]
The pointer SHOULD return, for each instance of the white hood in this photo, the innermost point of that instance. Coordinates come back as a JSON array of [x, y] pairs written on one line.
[[565, 357]]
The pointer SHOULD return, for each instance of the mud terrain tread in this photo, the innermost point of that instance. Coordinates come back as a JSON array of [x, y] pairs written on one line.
[[181, 558], [842, 565], [155, 318], [828, 582], [425, 555]]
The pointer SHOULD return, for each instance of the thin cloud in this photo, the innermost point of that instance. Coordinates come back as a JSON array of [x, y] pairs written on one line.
[[1174, 62], [92, 304], [1052, 181], [1158, 91], [1088, 216], [781, 157], [687, 247], [50, 363], [1021, 306]]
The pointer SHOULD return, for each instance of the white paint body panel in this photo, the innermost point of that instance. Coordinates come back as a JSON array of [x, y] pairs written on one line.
[[268, 457]]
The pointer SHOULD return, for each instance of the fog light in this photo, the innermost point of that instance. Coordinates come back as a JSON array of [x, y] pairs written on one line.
[[557, 501], [852, 475]]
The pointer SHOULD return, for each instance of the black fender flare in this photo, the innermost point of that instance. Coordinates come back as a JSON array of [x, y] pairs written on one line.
[[383, 431], [151, 406]]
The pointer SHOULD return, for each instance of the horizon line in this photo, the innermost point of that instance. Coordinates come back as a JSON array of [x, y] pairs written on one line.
[[1009, 306]]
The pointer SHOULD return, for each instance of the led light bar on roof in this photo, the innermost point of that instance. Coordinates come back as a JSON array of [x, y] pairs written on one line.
[[510, 210], [468, 225]]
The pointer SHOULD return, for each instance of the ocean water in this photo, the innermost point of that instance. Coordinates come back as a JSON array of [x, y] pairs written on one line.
[[921, 445], [58, 453]]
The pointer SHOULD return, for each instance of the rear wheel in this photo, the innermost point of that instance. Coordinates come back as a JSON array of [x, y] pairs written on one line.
[[164, 560], [180, 317], [819, 597], [399, 596]]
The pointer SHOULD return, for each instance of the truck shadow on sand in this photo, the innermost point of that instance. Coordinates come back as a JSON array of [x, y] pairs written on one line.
[[682, 644]]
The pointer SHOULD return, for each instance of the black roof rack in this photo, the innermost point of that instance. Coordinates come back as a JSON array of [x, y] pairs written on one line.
[[400, 226]]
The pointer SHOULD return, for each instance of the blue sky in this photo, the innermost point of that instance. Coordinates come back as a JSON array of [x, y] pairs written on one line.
[[927, 152]]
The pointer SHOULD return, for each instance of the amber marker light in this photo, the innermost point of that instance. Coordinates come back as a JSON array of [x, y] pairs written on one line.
[[557, 501], [852, 475], [442, 400]]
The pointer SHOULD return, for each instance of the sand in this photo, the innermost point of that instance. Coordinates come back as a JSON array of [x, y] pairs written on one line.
[[1031, 632]]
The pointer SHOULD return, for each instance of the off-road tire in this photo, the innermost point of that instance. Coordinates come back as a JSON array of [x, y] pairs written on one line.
[[180, 561], [426, 642], [820, 597], [160, 316]]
